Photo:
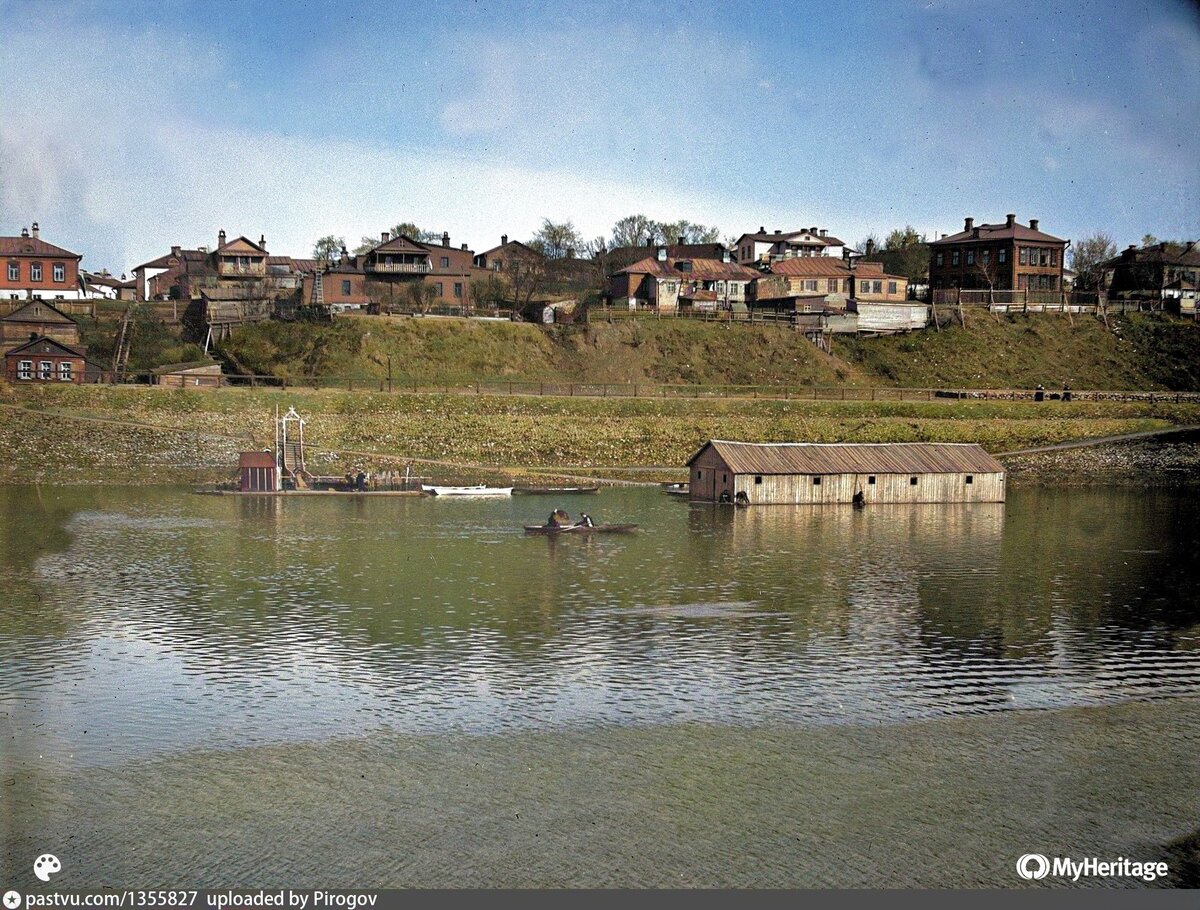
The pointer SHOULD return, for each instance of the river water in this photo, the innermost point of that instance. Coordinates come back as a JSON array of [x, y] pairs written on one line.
[[224, 690]]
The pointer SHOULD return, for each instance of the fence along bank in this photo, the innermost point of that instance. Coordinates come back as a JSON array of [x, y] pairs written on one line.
[[803, 473]]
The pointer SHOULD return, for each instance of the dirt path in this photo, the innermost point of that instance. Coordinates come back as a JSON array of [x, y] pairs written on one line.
[[1100, 441]]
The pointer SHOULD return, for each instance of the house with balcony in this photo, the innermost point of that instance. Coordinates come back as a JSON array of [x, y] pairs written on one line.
[[394, 265], [763, 247], [237, 265], [998, 257], [34, 269]]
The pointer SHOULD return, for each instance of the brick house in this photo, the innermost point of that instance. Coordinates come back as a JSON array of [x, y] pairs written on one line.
[[336, 287], [829, 278], [238, 263], [36, 270], [1008, 256], [45, 360], [766, 246], [36, 319], [495, 259], [665, 283]]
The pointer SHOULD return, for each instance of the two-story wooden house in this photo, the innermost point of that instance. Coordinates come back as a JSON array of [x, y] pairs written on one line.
[[1165, 272], [665, 283], [999, 257], [764, 247], [33, 269]]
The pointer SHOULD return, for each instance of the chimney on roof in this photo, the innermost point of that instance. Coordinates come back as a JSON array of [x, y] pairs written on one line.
[[262, 240], [1010, 220], [724, 255], [870, 247], [385, 236], [813, 229], [445, 238], [35, 230], [662, 254], [681, 239], [464, 246], [761, 229], [1033, 224], [504, 239], [968, 224], [175, 251], [344, 254], [1162, 247], [777, 231], [943, 236], [221, 237], [24, 232], [823, 233]]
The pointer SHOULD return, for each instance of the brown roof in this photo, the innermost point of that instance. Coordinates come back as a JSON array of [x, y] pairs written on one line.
[[829, 267], [986, 232], [1159, 253], [255, 460], [704, 269], [20, 314], [164, 261], [45, 342], [853, 458], [240, 239], [33, 246]]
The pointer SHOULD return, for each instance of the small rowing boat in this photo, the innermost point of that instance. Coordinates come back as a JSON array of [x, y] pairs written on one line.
[[477, 490], [552, 491], [555, 530]]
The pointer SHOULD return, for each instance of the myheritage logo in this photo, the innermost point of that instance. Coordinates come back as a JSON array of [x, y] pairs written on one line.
[[1035, 866]]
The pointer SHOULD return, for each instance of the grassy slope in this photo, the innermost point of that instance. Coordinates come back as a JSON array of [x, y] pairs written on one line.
[[1136, 352], [38, 441]]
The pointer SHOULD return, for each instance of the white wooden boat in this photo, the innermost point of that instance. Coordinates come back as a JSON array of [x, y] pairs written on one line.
[[477, 490]]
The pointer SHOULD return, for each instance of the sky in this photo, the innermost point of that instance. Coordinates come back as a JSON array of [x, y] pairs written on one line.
[[128, 127]]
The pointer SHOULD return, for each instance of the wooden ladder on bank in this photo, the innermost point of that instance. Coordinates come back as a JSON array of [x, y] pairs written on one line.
[[318, 291], [124, 343]]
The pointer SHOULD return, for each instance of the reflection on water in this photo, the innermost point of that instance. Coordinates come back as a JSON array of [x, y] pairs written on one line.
[[148, 620]]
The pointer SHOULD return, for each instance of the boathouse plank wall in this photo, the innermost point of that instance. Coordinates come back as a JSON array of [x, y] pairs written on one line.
[[711, 475]]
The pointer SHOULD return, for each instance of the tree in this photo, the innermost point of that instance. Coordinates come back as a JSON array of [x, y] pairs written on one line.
[[903, 253], [634, 230], [489, 293], [421, 296], [526, 274], [553, 240], [1086, 256], [672, 231], [638, 230], [328, 248]]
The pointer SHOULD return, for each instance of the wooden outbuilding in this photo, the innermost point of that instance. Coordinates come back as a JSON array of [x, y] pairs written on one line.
[[812, 473], [203, 374], [257, 472]]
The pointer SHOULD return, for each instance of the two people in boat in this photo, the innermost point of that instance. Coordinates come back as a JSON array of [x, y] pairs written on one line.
[[560, 519]]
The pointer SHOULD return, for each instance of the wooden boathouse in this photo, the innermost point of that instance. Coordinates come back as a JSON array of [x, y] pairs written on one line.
[[813, 473]]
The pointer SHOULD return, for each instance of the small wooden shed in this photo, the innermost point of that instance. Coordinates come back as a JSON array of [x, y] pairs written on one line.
[[809, 473], [203, 374], [257, 472]]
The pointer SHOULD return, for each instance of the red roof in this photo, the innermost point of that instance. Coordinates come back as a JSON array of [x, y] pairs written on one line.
[[256, 460], [986, 232], [706, 269], [829, 267], [33, 246]]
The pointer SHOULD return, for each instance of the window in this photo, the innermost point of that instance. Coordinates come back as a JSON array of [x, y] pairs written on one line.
[[1023, 256], [970, 257], [970, 478], [35, 271], [940, 258], [14, 271], [45, 370], [891, 287], [810, 284], [437, 288], [346, 287], [445, 260], [1054, 257], [758, 480], [912, 481], [1002, 255], [60, 272], [845, 285], [831, 286], [64, 371], [25, 369], [954, 258], [724, 478], [816, 481], [877, 287], [1045, 257], [458, 289], [985, 255], [871, 481]]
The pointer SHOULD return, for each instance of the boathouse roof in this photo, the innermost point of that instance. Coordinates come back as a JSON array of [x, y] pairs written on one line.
[[852, 457]]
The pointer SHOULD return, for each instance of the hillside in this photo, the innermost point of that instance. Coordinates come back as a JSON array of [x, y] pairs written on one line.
[[1135, 352]]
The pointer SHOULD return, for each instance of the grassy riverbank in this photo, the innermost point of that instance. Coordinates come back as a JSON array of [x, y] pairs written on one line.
[[94, 434]]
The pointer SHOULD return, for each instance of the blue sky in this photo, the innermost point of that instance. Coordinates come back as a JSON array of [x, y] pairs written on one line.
[[127, 127]]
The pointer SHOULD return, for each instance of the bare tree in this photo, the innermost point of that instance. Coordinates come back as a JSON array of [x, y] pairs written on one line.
[[328, 248], [526, 275], [1086, 257], [554, 239]]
